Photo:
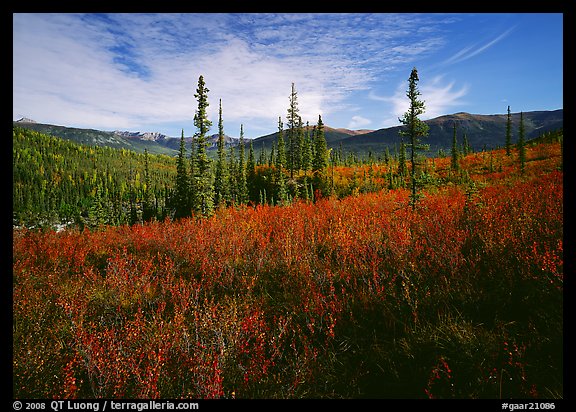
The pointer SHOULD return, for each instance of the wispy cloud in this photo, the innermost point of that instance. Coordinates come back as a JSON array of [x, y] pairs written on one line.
[[439, 98], [475, 49], [358, 122]]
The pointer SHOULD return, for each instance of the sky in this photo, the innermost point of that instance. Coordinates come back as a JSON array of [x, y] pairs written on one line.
[[139, 72]]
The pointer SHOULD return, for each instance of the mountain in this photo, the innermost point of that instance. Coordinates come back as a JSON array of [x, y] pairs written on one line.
[[174, 143], [333, 136], [481, 131], [152, 137], [156, 143], [24, 120], [119, 140]]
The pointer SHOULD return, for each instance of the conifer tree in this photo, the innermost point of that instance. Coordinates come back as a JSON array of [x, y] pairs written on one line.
[[307, 150], [292, 125], [466, 148], [454, 159], [192, 189], [281, 190], [251, 173], [402, 160], [508, 133], [221, 179], [416, 129], [262, 156], [272, 157], [340, 152], [521, 144], [242, 187], [299, 145], [202, 179], [148, 208], [280, 145], [321, 153], [386, 155], [233, 175], [181, 195]]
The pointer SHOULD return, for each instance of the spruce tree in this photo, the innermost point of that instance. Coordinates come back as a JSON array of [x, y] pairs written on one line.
[[292, 124], [148, 208], [221, 179], [402, 160], [241, 178], [233, 175], [307, 150], [454, 159], [251, 173], [521, 144], [181, 196], [262, 156], [299, 145], [416, 129], [466, 148], [508, 133], [280, 146], [272, 157], [321, 153], [202, 179], [281, 190]]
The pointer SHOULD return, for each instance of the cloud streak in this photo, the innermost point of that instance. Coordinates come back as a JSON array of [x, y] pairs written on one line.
[[473, 50]]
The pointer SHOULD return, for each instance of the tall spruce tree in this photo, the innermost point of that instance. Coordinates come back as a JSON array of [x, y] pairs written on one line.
[[202, 179], [280, 162], [466, 148], [521, 145], [307, 150], [321, 153], [415, 130], [251, 173], [280, 145], [454, 159], [299, 145], [262, 156], [221, 179], [233, 175], [292, 125], [402, 160], [181, 199], [148, 208], [508, 133], [242, 187]]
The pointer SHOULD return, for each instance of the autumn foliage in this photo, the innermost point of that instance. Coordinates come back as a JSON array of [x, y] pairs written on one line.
[[357, 297]]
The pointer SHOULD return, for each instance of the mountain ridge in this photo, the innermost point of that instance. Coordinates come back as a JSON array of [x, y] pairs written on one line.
[[481, 131]]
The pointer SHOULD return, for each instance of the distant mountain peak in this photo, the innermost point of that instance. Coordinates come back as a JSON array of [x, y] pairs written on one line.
[[354, 132], [149, 136], [25, 120]]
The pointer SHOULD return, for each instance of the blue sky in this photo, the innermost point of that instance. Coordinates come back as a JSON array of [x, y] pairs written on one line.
[[139, 72]]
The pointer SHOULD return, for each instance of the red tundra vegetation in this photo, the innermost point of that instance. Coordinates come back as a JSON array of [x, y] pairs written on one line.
[[358, 297]]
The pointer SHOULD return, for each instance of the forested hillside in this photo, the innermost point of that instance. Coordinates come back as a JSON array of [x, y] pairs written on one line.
[[56, 181], [59, 183]]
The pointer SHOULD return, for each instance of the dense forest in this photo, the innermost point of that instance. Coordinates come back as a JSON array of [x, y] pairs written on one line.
[[58, 183]]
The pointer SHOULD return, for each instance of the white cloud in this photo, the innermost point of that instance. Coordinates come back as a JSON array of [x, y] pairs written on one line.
[[439, 99], [358, 122]]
